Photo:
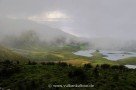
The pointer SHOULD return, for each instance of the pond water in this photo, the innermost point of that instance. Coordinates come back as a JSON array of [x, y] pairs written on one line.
[[131, 66], [116, 55], [110, 55], [86, 53]]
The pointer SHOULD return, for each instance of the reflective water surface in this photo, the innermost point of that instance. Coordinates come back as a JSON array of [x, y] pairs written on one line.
[[111, 55]]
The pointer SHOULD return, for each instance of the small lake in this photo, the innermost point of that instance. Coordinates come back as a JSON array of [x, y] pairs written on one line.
[[110, 55], [131, 66], [86, 53]]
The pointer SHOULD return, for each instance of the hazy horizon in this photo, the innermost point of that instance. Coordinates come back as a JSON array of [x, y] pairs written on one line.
[[82, 18]]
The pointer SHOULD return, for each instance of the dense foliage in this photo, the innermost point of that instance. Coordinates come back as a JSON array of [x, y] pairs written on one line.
[[33, 76]]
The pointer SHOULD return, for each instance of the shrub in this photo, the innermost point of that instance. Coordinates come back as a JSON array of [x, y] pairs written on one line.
[[77, 76], [87, 66], [105, 66], [63, 64]]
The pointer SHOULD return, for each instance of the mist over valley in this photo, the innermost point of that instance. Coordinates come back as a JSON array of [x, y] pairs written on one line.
[[67, 44]]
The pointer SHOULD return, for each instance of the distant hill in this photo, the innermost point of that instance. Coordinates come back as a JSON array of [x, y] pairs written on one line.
[[16, 27], [22, 33]]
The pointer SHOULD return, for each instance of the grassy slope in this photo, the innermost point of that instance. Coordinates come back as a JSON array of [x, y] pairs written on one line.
[[131, 60], [54, 54], [69, 57], [59, 54], [37, 54], [98, 58], [6, 54], [65, 54]]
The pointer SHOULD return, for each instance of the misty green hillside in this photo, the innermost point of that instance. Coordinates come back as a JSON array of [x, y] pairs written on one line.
[[58, 54], [30, 45], [6, 54], [51, 54], [31, 40]]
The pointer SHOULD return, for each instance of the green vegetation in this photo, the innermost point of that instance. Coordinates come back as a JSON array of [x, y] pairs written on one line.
[[6, 54], [64, 54], [98, 58], [55, 54], [28, 46], [131, 60], [38, 76], [59, 66]]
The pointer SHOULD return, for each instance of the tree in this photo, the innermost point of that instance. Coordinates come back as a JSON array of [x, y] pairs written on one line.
[[87, 66], [77, 76], [105, 66]]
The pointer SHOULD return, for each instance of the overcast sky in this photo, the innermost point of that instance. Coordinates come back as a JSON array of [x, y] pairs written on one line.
[[85, 18]]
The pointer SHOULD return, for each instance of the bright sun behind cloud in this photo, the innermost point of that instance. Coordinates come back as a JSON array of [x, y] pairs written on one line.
[[49, 16], [56, 14]]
